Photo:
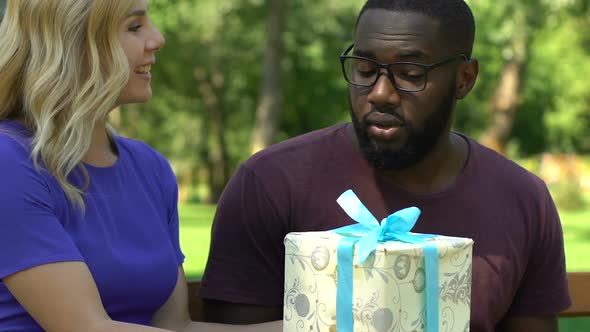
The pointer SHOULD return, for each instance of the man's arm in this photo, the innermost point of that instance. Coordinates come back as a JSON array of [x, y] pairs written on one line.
[[543, 291], [244, 277], [537, 324], [234, 313], [174, 315]]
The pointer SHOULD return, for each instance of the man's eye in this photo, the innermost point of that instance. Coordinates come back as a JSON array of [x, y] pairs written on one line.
[[365, 69], [411, 75]]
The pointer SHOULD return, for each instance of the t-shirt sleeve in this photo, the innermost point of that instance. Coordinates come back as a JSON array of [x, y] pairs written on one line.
[[544, 287], [173, 222], [30, 233], [246, 257]]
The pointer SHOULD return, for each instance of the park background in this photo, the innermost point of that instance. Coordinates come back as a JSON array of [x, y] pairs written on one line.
[[239, 75]]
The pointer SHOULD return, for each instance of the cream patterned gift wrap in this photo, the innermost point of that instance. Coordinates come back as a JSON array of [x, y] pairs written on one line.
[[393, 288]]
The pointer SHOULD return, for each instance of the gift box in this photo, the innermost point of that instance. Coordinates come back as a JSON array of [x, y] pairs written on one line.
[[388, 285]]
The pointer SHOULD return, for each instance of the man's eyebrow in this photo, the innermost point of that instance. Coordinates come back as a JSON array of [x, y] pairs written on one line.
[[412, 54], [364, 54], [137, 12]]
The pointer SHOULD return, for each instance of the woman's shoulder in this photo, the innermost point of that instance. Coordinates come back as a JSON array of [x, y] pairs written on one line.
[[139, 149], [15, 148], [19, 175], [140, 153], [14, 138]]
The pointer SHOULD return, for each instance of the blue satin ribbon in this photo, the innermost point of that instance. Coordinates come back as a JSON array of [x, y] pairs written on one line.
[[365, 236]]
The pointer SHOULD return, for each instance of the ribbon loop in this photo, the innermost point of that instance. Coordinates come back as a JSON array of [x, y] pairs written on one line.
[[370, 231], [356, 210], [365, 236]]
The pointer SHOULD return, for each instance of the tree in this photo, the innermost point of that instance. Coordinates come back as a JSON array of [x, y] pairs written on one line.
[[210, 77], [271, 94], [505, 100], [520, 20], [522, 104]]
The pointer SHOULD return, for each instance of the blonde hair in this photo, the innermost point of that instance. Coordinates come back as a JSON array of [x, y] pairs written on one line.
[[62, 69]]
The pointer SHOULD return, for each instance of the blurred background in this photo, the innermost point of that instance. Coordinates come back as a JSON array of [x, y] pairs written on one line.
[[236, 76]]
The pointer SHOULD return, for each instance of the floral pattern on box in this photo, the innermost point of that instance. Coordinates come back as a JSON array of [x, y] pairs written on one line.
[[388, 290]]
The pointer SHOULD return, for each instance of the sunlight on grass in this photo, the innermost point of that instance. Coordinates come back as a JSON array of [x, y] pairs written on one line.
[[195, 236], [576, 233]]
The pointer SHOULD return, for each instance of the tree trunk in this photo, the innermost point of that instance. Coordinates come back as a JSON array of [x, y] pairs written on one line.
[[217, 155], [505, 100], [503, 107], [270, 101]]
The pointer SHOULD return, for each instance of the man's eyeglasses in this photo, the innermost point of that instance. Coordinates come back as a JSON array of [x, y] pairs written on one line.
[[405, 76]]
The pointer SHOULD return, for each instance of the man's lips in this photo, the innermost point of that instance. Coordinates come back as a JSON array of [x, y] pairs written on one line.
[[383, 120], [383, 126], [383, 133]]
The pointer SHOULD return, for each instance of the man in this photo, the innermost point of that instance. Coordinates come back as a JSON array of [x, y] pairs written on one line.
[[410, 63]]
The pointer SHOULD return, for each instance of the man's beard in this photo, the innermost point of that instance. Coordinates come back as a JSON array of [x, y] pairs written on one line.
[[420, 139]]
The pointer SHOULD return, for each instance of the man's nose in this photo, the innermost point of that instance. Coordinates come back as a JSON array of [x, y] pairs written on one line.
[[384, 91]]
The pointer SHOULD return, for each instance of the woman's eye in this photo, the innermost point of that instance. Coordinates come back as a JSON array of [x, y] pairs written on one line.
[[135, 28]]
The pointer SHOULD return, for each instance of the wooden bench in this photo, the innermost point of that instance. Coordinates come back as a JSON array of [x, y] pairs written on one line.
[[579, 283]]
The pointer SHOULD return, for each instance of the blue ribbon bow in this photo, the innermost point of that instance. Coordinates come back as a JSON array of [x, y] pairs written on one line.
[[365, 236]]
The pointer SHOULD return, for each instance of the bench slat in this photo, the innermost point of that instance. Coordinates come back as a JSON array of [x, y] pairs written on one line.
[[579, 283]]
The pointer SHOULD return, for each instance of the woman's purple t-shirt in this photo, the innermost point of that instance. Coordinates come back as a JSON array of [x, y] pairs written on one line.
[[128, 235]]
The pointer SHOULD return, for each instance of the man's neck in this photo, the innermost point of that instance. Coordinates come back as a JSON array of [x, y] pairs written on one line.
[[437, 171]]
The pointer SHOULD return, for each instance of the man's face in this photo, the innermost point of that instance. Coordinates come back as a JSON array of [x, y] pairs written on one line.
[[396, 129]]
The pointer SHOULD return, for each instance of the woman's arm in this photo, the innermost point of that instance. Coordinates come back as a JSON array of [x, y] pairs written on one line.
[[63, 297], [174, 315]]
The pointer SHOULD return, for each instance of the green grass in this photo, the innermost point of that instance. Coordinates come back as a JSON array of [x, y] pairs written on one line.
[[195, 229], [576, 233]]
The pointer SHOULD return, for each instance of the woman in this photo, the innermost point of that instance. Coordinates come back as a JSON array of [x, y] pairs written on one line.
[[88, 219]]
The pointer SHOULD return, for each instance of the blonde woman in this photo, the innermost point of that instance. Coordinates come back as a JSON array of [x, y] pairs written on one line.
[[88, 219]]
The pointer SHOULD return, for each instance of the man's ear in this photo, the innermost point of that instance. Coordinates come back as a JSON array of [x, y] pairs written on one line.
[[466, 77]]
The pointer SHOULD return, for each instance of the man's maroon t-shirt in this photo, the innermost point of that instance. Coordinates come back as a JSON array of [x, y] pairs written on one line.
[[518, 256]]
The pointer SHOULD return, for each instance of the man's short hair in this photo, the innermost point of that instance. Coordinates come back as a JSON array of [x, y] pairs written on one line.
[[455, 17]]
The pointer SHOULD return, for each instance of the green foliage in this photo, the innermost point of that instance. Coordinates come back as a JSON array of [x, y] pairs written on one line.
[[556, 100], [216, 49]]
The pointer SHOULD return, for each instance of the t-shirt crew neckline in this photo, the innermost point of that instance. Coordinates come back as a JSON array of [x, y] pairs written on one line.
[[450, 190], [115, 165]]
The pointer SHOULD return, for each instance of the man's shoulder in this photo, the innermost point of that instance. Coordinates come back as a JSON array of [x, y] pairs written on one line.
[[302, 148], [504, 170]]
